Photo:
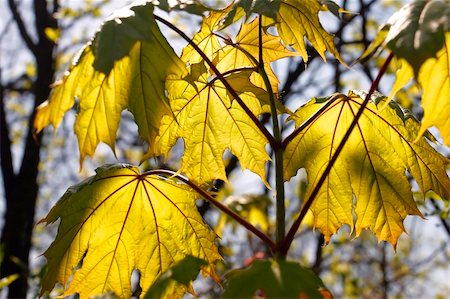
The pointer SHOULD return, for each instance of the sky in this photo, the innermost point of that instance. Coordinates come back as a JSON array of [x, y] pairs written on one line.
[[428, 230]]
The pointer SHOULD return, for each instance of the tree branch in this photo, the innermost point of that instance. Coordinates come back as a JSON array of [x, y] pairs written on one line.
[[443, 220], [5, 147], [22, 29]]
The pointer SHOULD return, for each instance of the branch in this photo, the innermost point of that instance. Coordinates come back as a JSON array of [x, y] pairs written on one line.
[[278, 150], [5, 147], [443, 220], [18, 84], [217, 203], [22, 29], [316, 267], [292, 231]]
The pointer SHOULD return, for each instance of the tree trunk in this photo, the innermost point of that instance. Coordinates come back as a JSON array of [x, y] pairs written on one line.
[[21, 189]]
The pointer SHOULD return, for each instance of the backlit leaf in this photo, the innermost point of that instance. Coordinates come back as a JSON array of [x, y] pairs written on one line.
[[298, 19], [244, 52], [332, 7], [136, 82], [267, 8], [210, 121], [371, 166], [205, 39], [194, 7], [274, 279], [120, 32], [403, 75], [150, 63], [417, 31], [101, 101], [434, 78], [62, 97], [120, 220]]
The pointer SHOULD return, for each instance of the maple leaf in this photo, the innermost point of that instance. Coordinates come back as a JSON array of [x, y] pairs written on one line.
[[184, 272], [205, 39], [210, 121], [244, 52], [120, 32], [277, 279], [136, 82], [192, 7], [418, 36], [62, 96], [267, 8], [294, 20], [120, 220], [434, 78], [371, 166], [102, 98], [297, 19], [417, 31]]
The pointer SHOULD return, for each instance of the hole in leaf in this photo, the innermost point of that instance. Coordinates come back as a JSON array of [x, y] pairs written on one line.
[[136, 289]]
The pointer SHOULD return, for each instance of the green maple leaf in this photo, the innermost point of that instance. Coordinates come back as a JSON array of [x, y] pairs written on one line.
[[210, 121], [120, 32], [168, 284], [417, 31], [267, 8], [371, 166], [120, 220], [276, 279]]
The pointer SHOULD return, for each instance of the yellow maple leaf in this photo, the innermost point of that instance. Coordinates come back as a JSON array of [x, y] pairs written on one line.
[[244, 52], [205, 38], [210, 121], [434, 78], [102, 98], [120, 220], [136, 82], [99, 114], [62, 97], [371, 166], [297, 19]]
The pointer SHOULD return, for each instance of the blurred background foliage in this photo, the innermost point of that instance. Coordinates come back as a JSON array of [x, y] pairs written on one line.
[[38, 40]]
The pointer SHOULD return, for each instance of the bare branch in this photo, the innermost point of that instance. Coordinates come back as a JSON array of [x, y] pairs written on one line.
[[22, 29], [5, 147]]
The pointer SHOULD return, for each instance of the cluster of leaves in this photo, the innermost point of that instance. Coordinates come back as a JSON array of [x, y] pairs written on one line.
[[355, 146], [419, 36]]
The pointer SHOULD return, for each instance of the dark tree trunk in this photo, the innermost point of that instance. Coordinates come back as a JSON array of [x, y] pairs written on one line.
[[21, 188]]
